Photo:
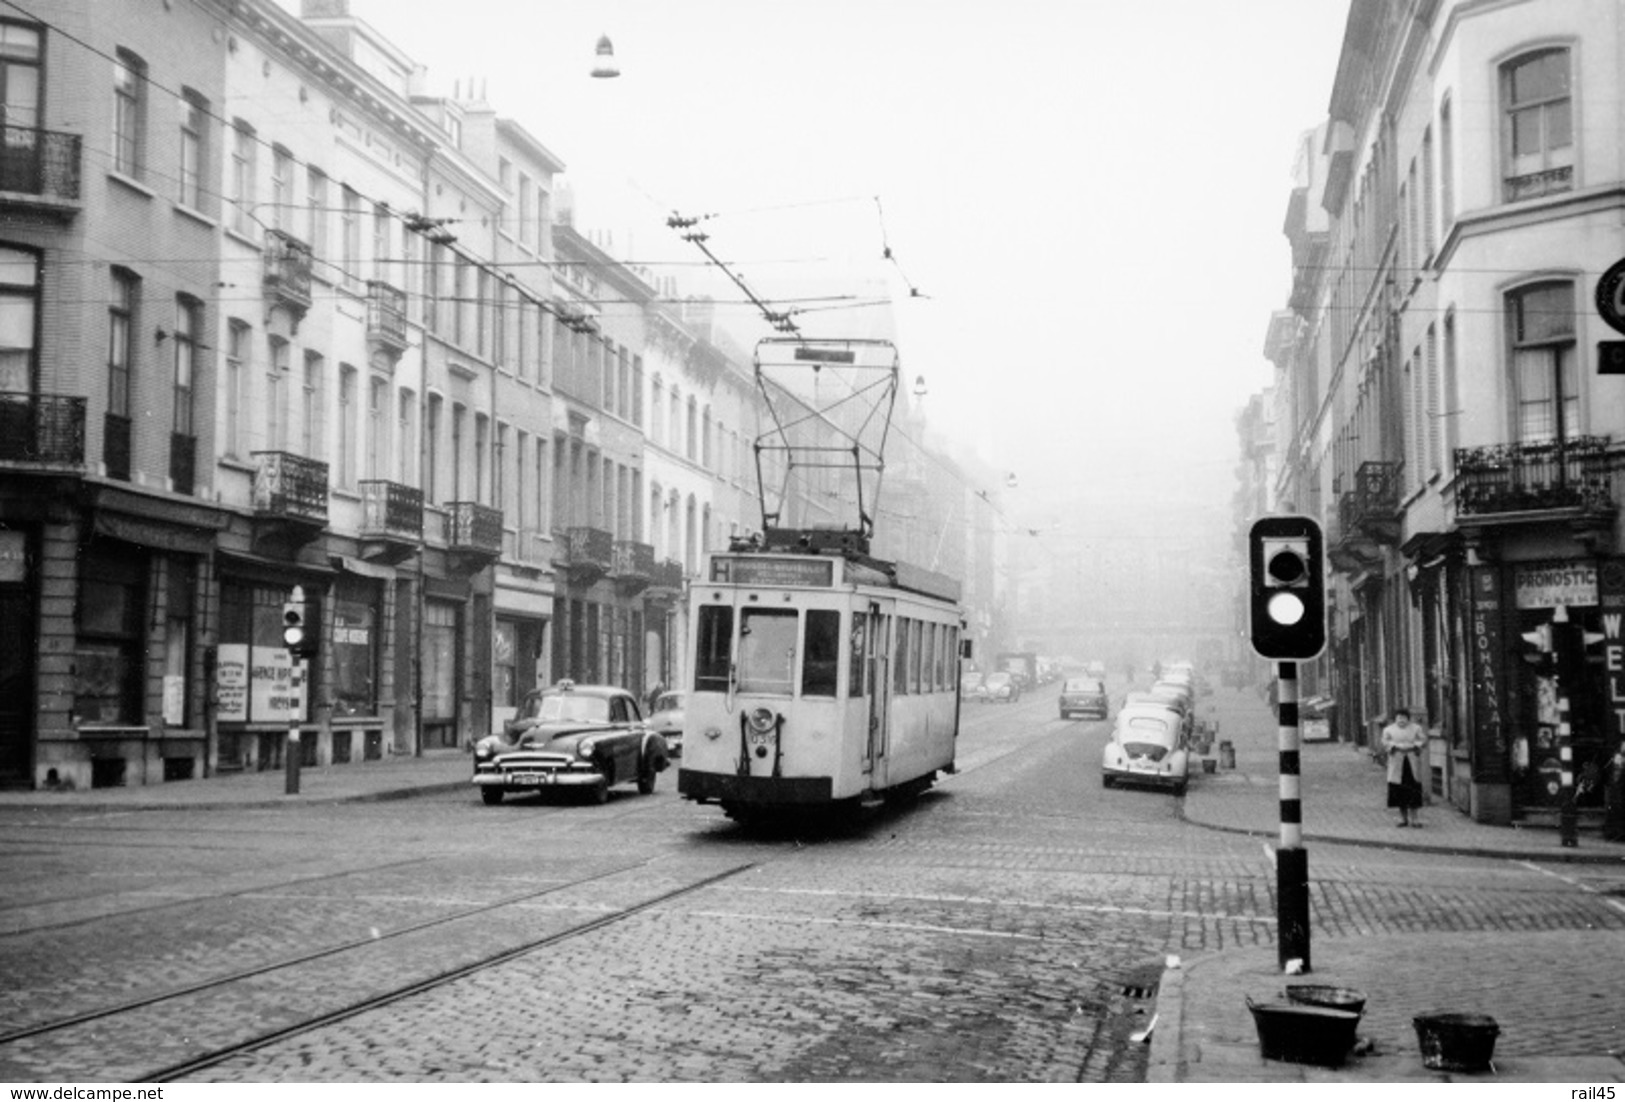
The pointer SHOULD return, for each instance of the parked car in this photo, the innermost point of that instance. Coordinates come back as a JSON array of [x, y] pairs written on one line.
[[666, 717], [1147, 747], [586, 737], [1001, 687], [972, 686], [1083, 696]]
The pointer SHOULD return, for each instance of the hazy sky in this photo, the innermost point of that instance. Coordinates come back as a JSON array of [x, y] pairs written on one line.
[[1088, 195]]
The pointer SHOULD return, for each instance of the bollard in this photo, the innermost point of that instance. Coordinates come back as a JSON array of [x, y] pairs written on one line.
[[1227, 754]]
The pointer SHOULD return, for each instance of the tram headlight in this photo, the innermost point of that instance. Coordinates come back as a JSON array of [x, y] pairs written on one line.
[[762, 720]]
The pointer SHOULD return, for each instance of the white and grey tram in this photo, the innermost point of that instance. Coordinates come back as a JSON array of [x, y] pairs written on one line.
[[820, 680]]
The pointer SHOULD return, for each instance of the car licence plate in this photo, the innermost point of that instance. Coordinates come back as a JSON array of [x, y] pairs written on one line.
[[531, 778]]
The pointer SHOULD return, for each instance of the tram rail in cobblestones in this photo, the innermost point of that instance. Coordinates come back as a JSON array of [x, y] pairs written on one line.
[[406, 991], [188, 901], [302, 958]]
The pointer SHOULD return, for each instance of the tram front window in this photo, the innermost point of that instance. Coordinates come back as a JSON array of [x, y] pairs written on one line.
[[822, 666], [767, 650], [716, 633]]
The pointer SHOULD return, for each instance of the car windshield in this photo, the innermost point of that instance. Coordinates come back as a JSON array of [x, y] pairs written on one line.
[[994, 680], [567, 707], [668, 702], [1146, 727], [1081, 685]]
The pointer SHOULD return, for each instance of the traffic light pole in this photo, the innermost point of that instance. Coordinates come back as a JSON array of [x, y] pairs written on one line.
[[1291, 859], [291, 757]]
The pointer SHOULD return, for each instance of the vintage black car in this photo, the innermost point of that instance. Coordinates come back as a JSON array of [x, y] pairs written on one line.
[[586, 737]]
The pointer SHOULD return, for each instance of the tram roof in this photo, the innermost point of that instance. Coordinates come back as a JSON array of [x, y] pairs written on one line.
[[817, 570]]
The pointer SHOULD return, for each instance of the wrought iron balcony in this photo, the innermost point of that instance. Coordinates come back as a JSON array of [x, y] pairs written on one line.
[[665, 581], [290, 487], [1568, 474], [1371, 508], [634, 566], [386, 317], [42, 164], [287, 271], [473, 533], [391, 520], [590, 554], [42, 430]]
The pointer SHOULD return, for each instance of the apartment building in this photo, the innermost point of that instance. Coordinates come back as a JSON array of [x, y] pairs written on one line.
[[1444, 402]]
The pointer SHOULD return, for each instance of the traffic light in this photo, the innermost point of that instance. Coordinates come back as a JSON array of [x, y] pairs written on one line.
[[1287, 602], [299, 630]]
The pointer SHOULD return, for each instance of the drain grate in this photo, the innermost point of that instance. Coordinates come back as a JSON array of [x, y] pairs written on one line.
[[1139, 991]]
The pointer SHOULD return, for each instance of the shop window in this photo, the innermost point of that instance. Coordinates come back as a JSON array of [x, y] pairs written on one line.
[[355, 651], [440, 633], [254, 673], [109, 655], [178, 644], [504, 679]]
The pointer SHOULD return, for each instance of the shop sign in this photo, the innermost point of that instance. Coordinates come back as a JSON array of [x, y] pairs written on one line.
[[231, 683], [255, 685], [1486, 644], [1613, 645], [1571, 584]]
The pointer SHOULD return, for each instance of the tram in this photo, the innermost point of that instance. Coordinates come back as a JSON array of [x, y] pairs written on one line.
[[822, 678]]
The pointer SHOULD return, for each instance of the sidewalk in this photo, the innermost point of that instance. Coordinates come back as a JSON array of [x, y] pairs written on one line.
[[386, 779], [1531, 982]]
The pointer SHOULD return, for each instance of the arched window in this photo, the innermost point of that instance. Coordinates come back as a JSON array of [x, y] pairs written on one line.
[[691, 554], [1537, 125]]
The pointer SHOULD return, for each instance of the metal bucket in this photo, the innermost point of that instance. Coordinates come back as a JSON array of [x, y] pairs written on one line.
[[1302, 1034], [1456, 1042], [1333, 998]]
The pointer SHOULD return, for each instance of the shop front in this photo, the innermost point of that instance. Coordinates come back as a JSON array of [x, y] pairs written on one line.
[[1521, 694]]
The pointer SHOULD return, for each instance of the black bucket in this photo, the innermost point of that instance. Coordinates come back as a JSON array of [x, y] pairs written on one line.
[[1333, 998], [1456, 1042], [1301, 1034]]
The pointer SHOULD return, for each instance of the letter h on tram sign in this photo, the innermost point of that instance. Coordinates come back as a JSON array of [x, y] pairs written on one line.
[[1287, 590]]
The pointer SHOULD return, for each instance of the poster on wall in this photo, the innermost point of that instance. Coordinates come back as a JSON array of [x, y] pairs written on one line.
[[271, 686], [231, 683]]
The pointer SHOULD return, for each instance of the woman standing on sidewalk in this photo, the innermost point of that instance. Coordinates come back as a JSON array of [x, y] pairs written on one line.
[[1404, 743]]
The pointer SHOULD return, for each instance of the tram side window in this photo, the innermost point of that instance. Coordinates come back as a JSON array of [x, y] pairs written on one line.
[[859, 652], [900, 676], [822, 664], [914, 654], [715, 634], [767, 650], [932, 659]]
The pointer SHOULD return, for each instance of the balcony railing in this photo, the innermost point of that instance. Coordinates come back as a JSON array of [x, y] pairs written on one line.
[[634, 565], [667, 577], [39, 162], [386, 316], [391, 511], [474, 529], [287, 270], [589, 553], [290, 486], [1520, 478], [44, 429]]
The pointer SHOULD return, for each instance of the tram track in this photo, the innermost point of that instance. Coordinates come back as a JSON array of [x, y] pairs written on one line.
[[112, 1020]]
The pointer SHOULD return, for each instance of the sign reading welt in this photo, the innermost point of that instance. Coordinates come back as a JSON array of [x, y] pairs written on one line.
[[1572, 584], [748, 570]]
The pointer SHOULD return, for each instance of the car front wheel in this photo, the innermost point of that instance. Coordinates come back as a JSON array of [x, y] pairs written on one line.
[[491, 794]]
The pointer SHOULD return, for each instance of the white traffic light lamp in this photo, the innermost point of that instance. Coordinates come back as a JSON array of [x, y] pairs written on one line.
[[298, 635], [1285, 609]]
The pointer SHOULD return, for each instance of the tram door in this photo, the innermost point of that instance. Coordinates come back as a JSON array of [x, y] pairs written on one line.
[[879, 675]]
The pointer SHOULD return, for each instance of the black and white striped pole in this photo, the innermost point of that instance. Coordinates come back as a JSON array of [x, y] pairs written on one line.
[[1287, 610]]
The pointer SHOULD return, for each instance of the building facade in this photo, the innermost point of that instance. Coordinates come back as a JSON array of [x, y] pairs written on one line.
[[1444, 404]]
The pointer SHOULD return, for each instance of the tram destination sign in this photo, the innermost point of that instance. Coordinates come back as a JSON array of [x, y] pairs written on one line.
[[750, 570]]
